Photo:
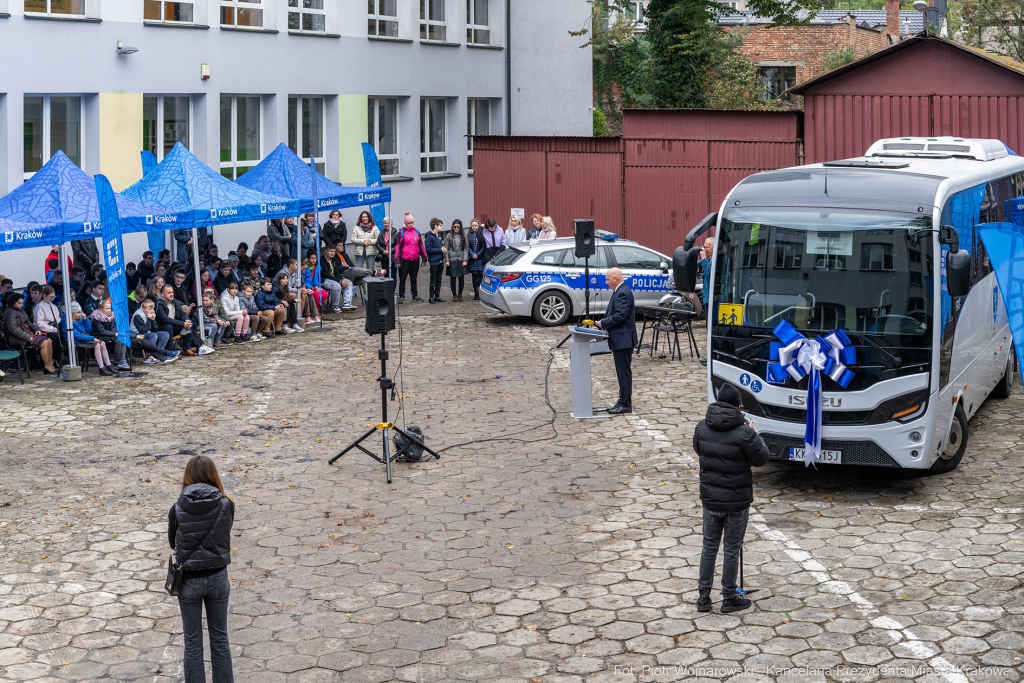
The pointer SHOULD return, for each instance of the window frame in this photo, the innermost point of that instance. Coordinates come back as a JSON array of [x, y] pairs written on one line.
[[159, 154], [241, 4], [778, 83], [51, 13], [866, 249], [427, 154], [473, 28], [426, 23], [163, 4], [47, 152], [321, 160], [234, 162], [301, 11], [377, 102], [375, 18], [471, 127]]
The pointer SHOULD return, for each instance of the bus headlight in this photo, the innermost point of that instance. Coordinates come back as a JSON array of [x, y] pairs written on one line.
[[911, 413], [903, 408]]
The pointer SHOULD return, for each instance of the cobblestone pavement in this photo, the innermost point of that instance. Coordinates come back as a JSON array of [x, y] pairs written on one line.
[[549, 551]]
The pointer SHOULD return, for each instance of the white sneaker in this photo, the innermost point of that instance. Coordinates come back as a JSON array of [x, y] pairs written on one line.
[[287, 330], [205, 350], [256, 338], [298, 328]]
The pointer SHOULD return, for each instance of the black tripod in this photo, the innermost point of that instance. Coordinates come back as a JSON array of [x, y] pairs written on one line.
[[585, 316], [386, 384]]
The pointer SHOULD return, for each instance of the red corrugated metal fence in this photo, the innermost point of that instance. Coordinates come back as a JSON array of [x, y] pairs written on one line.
[[565, 178]]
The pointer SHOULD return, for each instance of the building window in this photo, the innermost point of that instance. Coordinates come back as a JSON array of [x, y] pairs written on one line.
[[637, 9], [383, 133], [165, 10], [788, 255], [309, 18], [59, 7], [432, 22], [479, 120], [433, 136], [240, 135], [478, 25], [383, 19], [776, 81], [52, 123], [244, 13], [876, 257], [306, 129], [165, 122]]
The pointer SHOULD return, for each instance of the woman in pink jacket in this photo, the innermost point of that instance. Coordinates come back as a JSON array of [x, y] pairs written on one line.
[[411, 252]]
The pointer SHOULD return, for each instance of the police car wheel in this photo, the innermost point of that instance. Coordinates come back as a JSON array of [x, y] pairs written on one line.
[[552, 308]]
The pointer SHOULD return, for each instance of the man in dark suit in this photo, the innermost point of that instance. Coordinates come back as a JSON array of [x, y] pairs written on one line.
[[620, 323]]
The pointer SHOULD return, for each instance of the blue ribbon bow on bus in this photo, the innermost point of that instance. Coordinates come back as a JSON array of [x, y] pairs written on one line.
[[797, 356]]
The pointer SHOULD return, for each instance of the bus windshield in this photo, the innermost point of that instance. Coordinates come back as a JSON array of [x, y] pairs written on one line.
[[823, 269]]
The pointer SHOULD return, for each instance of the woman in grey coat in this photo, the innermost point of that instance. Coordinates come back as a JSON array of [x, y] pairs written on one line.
[[455, 258]]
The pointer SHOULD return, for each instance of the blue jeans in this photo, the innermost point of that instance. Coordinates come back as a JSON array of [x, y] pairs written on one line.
[[158, 339], [213, 591], [731, 525], [367, 261], [215, 332]]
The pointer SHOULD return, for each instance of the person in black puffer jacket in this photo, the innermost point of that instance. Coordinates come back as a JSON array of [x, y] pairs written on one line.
[[199, 531], [728, 447]]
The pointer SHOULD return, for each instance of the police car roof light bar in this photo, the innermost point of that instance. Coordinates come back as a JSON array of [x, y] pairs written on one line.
[[605, 235]]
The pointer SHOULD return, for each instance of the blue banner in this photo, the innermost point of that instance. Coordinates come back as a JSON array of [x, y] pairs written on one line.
[[372, 167], [316, 225], [1005, 245], [113, 258], [1015, 210]]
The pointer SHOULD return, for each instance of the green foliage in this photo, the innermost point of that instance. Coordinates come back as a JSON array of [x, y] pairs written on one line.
[[601, 128], [736, 84], [833, 59], [673, 62], [995, 25]]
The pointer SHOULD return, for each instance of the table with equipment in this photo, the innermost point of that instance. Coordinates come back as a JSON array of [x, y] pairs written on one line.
[[670, 322]]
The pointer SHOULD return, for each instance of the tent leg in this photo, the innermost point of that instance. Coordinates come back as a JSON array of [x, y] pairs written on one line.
[[62, 254], [199, 292]]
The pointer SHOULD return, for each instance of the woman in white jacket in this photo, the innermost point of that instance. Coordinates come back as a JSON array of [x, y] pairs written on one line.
[[236, 312], [47, 317], [364, 237]]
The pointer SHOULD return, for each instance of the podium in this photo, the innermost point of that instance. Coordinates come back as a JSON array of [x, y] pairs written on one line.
[[584, 343]]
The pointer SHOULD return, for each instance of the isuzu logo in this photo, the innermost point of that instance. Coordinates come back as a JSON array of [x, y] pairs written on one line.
[[826, 401]]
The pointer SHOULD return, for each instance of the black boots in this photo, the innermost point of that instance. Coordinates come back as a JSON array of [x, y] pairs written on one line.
[[704, 603], [735, 604]]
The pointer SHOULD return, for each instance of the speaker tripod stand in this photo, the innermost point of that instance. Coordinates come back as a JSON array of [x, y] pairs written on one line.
[[584, 320], [386, 384]]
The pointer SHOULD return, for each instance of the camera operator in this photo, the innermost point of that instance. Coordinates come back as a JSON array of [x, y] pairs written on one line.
[[728, 447]]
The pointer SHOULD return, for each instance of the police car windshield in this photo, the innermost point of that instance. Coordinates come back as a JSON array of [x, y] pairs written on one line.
[[508, 257], [825, 269]]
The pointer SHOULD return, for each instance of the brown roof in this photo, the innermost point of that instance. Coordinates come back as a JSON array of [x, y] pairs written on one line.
[[1004, 62]]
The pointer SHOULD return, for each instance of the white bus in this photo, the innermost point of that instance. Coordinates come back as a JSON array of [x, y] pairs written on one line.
[[873, 246]]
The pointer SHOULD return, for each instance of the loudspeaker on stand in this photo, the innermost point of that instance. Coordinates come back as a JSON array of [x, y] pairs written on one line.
[[380, 305], [585, 245]]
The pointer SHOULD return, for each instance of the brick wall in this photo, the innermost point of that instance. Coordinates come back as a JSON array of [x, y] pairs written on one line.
[[808, 44]]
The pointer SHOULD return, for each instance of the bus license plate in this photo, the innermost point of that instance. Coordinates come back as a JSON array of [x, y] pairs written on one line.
[[826, 457]]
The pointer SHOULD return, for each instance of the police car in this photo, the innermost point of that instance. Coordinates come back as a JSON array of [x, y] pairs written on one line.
[[544, 278]]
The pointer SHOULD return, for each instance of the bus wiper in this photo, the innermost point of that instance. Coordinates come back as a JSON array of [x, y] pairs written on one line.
[[896, 360], [744, 352]]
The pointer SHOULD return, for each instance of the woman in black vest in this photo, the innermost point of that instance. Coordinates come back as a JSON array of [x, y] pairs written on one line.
[[199, 530]]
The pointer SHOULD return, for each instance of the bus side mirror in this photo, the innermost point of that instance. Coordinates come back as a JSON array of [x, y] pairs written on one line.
[[958, 273], [684, 268]]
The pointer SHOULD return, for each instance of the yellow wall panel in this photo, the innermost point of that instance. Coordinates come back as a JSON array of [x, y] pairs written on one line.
[[121, 138], [352, 126]]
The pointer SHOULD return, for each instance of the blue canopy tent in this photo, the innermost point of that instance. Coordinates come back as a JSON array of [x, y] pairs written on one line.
[[181, 182], [58, 204], [60, 193], [284, 174]]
